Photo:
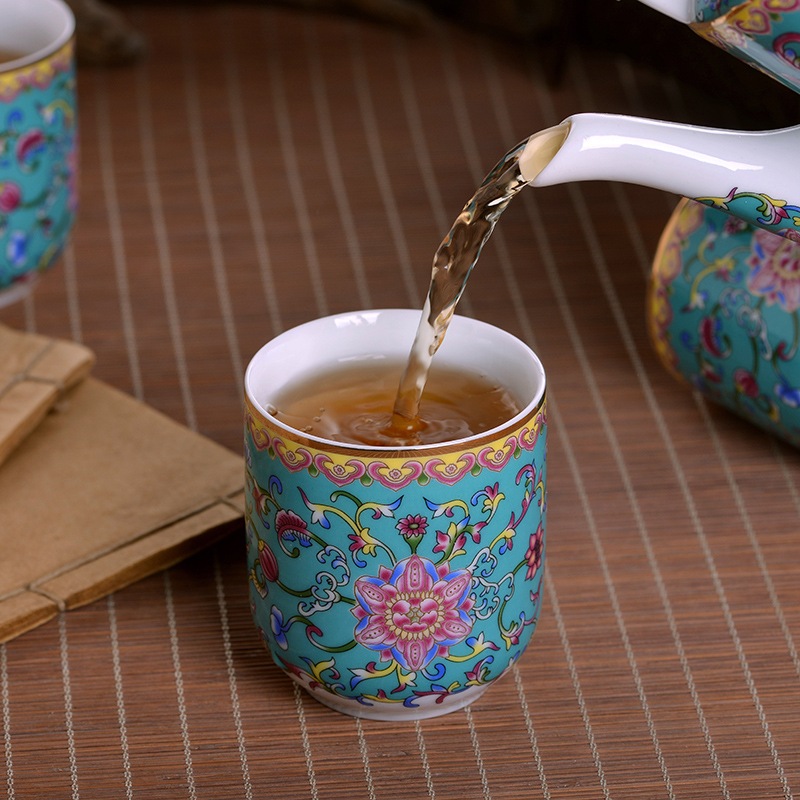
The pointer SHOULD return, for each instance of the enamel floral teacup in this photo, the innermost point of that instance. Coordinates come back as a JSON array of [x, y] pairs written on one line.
[[395, 584], [38, 140]]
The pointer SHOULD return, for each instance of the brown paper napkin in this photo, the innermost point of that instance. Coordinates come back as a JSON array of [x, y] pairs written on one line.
[[105, 491], [34, 372]]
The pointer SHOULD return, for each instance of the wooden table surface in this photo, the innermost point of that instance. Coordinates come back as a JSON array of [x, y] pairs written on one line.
[[263, 167]]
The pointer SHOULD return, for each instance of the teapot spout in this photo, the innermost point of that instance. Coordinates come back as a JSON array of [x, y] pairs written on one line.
[[752, 175]]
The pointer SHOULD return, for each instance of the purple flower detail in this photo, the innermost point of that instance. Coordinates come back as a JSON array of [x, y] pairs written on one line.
[[775, 269], [279, 627]]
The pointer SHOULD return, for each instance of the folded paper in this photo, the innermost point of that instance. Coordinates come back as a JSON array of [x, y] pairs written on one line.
[[35, 371], [105, 491]]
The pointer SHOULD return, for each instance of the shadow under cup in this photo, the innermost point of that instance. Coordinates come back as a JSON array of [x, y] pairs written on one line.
[[395, 584], [38, 140]]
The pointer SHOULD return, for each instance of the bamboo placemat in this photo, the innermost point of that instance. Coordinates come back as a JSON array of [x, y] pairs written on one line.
[[264, 167]]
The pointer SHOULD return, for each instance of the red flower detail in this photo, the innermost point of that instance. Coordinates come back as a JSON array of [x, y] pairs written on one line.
[[10, 196], [746, 383], [269, 564], [535, 552]]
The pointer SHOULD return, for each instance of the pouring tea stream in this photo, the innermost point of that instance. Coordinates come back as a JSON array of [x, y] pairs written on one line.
[[752, 176]]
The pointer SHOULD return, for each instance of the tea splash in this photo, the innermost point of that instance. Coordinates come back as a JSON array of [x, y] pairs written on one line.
[[353, 405]]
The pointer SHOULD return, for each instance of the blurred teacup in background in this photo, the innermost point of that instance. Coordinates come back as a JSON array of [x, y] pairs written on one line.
[[38, 140]]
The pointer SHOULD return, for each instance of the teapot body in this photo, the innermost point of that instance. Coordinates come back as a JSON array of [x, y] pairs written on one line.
[[723, 314], [763, 33]]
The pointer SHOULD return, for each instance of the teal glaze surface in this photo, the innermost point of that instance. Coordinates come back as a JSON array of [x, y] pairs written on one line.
[[38, 165], [724, 314], [401, 581], [764, 33], [706, 10]]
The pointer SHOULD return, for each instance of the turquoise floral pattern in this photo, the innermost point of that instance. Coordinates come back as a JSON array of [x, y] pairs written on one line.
[[763, 33], [776, 216], [775, 270], [38, 165], [724, 314], [387, 591], [706, 10]]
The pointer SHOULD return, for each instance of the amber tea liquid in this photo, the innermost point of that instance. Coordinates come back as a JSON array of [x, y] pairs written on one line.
[[9, 55], [354, 405]]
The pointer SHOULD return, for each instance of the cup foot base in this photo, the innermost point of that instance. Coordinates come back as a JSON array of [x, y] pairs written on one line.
[[424, 707]]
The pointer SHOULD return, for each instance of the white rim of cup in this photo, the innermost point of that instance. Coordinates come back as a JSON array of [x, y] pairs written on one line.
[[535, 403], [58, 7]]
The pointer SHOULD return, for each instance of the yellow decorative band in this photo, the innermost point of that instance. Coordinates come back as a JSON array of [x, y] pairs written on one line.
[[36, 76], [448, 464]]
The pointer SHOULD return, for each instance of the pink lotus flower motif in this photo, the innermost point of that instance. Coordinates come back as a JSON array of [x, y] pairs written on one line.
[[775, 269], [10, 196], [535, 552], [289, 526], [415, 612]]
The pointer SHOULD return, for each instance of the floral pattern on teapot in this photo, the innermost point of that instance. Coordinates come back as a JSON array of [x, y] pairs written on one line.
[[764, 33], [776, 216], [724, 314]]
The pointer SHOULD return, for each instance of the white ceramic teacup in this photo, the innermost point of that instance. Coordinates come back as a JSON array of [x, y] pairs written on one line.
[[395, 583]]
